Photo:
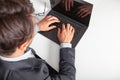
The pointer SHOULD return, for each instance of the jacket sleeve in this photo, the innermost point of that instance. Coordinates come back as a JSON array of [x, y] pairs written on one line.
[[66, 66]]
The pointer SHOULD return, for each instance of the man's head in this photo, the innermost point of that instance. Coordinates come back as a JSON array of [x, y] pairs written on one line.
[[16, 27]]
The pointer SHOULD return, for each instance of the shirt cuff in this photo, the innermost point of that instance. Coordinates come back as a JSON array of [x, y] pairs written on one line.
[[66, 45], [36, 29]]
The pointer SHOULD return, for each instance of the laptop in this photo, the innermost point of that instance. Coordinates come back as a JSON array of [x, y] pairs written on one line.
[[80, 24]]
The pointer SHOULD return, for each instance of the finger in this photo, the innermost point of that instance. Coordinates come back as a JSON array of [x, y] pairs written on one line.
[[69, 5], [85, 15], [53, 17], [63, 27], [53, 21], [81, 10], [71, 28], [82, 13], [51, 27], [66, 5], [48, 16], [63, 1], [58, 33], [68, 27]]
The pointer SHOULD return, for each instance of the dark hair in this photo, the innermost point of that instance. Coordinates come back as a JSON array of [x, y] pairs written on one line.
[[15, 26], [11, 7]]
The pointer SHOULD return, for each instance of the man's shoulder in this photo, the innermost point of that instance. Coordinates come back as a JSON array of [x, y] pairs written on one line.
[[30, 62], [28, 69]]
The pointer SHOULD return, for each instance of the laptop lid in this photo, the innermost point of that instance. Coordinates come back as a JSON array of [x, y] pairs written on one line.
[[73, 12]]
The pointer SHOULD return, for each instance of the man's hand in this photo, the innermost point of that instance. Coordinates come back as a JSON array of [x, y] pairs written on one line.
[[68, 4], [44, 25], [84, 10], [66, 34]]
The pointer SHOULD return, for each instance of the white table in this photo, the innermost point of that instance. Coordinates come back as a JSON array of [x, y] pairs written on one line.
[[98, 52]]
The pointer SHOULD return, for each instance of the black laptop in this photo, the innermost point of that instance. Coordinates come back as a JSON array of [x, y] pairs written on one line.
[[80, 24]]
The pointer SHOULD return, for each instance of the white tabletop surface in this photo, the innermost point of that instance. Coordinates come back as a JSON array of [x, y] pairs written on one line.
[[98, 52]]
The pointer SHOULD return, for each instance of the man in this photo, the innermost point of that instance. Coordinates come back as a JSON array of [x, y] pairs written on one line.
[[17, 60]]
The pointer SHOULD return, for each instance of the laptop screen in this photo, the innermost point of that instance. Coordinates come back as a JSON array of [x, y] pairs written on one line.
[[73, 13]]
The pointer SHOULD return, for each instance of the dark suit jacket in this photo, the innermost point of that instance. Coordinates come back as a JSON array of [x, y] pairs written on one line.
[[38, 69]]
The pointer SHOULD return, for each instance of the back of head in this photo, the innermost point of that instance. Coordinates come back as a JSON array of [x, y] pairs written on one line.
[[11, 7], [15, 25]]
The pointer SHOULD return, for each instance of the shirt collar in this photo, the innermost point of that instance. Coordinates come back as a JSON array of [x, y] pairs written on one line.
[[27, 55]]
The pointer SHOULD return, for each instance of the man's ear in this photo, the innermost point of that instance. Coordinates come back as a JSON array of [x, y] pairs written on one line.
[[24, 46]]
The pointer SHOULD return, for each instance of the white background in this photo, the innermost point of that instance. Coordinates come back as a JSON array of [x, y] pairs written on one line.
[[98, 52]]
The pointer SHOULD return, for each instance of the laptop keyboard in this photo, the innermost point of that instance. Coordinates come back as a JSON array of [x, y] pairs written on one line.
[[66, 20], [52, 34]]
